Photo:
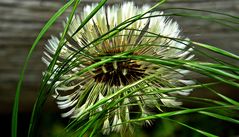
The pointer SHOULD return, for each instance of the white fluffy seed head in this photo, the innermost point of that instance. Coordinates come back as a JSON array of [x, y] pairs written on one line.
[[81, 92]]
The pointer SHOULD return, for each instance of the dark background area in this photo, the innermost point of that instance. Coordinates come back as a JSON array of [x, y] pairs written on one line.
[[22, 20]]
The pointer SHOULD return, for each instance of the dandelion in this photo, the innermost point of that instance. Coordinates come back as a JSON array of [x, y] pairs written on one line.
[[149, 36]]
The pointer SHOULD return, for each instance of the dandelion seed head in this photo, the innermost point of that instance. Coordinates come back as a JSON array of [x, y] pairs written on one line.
[[148, 36]]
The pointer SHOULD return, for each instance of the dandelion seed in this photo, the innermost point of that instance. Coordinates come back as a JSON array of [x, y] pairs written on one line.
[[143, 37]]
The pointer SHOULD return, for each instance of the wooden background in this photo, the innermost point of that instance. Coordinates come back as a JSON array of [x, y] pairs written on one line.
[[21, 21]]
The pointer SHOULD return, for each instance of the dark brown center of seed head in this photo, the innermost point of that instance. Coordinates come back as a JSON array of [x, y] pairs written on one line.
[[119, 73]]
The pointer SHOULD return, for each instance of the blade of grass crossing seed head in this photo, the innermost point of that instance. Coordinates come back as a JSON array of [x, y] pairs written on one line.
[[21, 77], [42, 97]]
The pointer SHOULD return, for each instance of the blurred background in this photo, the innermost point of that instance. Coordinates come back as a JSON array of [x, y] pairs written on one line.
[[22, 20]]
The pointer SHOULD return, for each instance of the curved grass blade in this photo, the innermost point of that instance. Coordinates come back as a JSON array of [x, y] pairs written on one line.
[[225, 118], [208, 18], [179, 112], [207, 71], [21, 78], [195, 129], [42, 96], [216, 50], [234, 102], [206, 11]]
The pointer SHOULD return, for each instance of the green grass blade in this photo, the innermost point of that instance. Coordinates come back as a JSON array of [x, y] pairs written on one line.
[[205, 11], [225, 118], [217, 50], [21, 77], [95, 10], [194, 129], [179, 112], [234, 102], [43, 96], [220, 21], [200, 68]]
